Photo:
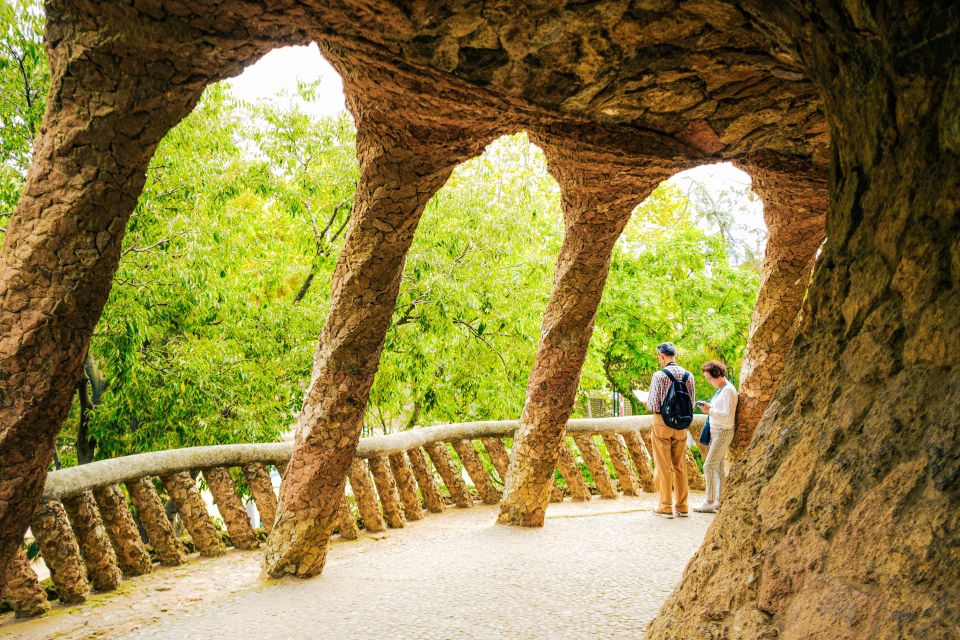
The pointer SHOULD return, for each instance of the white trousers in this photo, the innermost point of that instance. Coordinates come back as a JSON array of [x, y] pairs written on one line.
[[713, 467]]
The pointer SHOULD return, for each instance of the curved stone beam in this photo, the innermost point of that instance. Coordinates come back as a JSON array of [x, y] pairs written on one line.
[[794, 208], [841, 519], [598, 196]]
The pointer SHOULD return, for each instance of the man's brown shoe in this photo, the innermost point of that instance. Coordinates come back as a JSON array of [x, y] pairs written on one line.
[[663, 514]]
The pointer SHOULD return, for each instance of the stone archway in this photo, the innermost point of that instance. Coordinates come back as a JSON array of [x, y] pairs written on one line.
[[844, 445]]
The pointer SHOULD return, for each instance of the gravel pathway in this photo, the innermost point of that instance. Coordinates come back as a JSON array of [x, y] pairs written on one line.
[[596, 570]]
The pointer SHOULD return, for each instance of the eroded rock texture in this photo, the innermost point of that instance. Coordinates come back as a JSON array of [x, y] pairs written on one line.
[[432, 499], [20, 588], [103, 569], [193, 512], [153, 517], [448, 470], [407, 485], [489, 494], [231, 508], [132, 556], [388, 491], [260, 485], [60, 552], [841, 521], [366, 497]]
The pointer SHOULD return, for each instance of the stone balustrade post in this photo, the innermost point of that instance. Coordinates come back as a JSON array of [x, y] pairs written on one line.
[[366, 497], [132, 556], [641, 460], [261, 487], [474, 466], [21, 589], [695, 479], [570, 471], [193, 511], [154, 519], [432, 499], [231, 508], [447, 469], [389, 494], [617, 450], [594, 461], [407, 485], [99, 557], [346, 521], [60, 551], [498, 456]]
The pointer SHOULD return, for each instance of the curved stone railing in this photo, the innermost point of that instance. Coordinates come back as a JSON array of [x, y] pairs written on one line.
[[89, 538]]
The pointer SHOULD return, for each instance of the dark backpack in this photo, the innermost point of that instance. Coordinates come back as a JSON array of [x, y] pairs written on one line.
[[677, 407]]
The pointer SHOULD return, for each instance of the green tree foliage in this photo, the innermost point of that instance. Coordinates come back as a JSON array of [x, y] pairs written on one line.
[[223, 283]]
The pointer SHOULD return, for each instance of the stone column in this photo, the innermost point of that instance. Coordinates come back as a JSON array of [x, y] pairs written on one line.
[[594, 461], [597, 199], [387, 489], [346, 522], [641, 460], [261, 487], [21, 589], [131, 554], [98, 554], [450, 473], [407, 485], [570, 471], [794, 208], [621, 463], [193, 511], [471, 462], [498, 456], [60, 551], [108, 106], [366, 497], [840, 520], [402, 164], [153, 517], [432, 499], [231, 508], [695, 479]]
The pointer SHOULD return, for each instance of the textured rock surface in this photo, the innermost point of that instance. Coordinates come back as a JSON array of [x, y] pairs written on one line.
[[347, 522], [840, 521], [617, 450], [153, 517], [20, 588], [570, 471], [261, 487], [231, 508], [193, 512], [60, 551], [641, 460], [100, 559], [388, 492], [432, 499], [499, 456], [132, 556]]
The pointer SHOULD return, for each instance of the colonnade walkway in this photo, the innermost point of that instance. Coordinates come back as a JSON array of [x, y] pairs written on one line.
[[597, 569]]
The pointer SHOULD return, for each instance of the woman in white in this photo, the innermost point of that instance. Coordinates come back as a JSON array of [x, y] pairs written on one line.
[[720, 415]]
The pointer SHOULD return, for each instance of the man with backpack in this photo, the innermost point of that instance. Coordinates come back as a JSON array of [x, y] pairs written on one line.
[[671, 400]]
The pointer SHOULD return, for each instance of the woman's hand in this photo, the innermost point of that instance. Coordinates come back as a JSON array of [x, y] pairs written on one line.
[[705, 407]]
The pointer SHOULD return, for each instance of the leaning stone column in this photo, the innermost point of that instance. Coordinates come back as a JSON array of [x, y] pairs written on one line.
[[193, 511], [21, 589], [597, 198], [471, 462], [153, 517], [621, 463], [695, 479], [450, 473], [366, 497], [407, 485], [261, 487], [60, 551], [794, 207], [387, 489], [498, 456], [570, 471], [131, 554], [98, 554], [641, 459], [594, 461], [402, 164], [231, 508], [432, 499]]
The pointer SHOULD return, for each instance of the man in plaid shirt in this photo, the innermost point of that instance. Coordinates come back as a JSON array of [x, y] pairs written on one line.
[[669, 444]]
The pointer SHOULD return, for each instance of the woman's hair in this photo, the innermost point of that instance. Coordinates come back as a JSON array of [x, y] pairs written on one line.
[[715, 369]]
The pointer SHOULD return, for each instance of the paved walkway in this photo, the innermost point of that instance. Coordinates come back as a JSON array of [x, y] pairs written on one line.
[[596, 570]]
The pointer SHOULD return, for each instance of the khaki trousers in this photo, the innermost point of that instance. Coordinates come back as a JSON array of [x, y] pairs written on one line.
[[669, 451]]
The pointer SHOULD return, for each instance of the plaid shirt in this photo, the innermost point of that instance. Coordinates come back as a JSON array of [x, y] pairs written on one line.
[[660, 384]]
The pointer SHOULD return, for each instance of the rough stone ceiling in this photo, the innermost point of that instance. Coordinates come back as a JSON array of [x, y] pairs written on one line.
[[680, 80]]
